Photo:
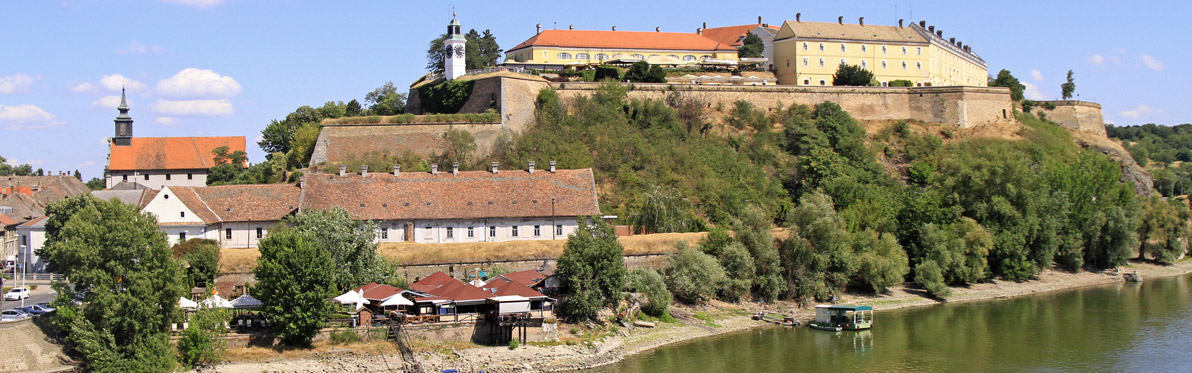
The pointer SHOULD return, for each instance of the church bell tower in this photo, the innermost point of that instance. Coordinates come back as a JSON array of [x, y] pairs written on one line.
[[123, 124], [453, 47]]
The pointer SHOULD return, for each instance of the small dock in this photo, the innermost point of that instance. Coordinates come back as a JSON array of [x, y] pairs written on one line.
[[779, 319]]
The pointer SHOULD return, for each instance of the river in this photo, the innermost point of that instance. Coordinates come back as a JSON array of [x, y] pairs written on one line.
[[1128, 327]]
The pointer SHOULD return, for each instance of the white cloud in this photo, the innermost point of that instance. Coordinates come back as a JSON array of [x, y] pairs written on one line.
[[1038, 76], [140, 48], [1153, 63], [83, 87], [201, 4], [198, 83], [15, 83], [26, 117], [167, 121], [116, 81], [1137, 111], [1097, 59], [108, 102], [1032, 91], [194, 107], [33, 162]]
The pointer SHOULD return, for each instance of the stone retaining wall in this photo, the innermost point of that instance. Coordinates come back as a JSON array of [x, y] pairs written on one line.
[[1077, 115]]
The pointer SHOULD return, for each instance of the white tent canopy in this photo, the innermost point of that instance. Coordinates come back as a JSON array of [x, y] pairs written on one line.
[[352, 297], [215, 302], [396, 300], [184, 303], [246, 301]]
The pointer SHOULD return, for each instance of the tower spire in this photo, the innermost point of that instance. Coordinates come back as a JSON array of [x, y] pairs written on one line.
[[123, 123]]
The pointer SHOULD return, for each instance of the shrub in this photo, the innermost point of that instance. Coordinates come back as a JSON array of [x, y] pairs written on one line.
[[591, 270], [202, 341], [446, 97], [928, 275], [651, 283], [851, 75], [693, 276], [344, 337], [736, 260], [513, 344], [901, 83], [605, 73]]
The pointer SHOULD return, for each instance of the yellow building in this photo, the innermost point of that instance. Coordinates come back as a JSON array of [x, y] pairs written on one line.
[[809, 53], [553, 49]]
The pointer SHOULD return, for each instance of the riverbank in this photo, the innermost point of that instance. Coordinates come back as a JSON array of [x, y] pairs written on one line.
[[580, 350]]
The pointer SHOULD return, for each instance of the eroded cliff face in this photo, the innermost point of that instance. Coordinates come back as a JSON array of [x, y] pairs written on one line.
[[1131, 171]]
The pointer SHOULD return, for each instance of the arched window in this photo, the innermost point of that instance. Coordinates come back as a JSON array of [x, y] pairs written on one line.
[[689, 58], [601, 56], [564, 56], [673, 56], [638, 56], [806, 81], [823, 82], [582, 56], [655, 55]]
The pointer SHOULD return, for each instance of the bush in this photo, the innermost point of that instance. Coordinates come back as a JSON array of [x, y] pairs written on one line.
[[649, 282], [344, 337], [736, 260], [513, 344], [591, 270], [901, 83], [605, 73], [928, 275], [446, 97], [852, 75], [693, 276], [642, 72], [202, 260], [202, 342]]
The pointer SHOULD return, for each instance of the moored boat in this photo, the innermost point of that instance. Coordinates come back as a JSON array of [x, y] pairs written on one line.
[[842, 317]]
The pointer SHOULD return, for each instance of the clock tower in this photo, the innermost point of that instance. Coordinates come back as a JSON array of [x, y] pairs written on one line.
[[123, 124], [453, 59]]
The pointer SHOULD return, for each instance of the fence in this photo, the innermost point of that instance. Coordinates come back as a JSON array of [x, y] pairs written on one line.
[[35, 276]]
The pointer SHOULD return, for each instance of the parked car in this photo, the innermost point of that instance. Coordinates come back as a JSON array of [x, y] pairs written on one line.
[[34, 310], [12, 315], [16, 294], [46, 306]]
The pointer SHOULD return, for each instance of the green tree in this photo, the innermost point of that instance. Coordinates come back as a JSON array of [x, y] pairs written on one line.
[[295, 279], [650, 282], [202, 342], [480, 51], [1068, 88], [78, 175], [851, 75], [222, 156], [751, 47], [641, 71], [460, 146], [303, 145], [201, 259], [385, 100], [931, 277], [1004, 79], [692, 276], [95, 184], [662, 210], [735, 260], [591, 270], [353, 108], [349, 243], [607, 73], [132, 283], [1163, 230], [14, 170]]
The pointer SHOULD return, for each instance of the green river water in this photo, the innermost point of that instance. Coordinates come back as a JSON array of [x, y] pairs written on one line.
[[1126, 327]]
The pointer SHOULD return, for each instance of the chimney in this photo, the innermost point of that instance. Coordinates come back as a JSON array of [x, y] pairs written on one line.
[[434, 168], [343, 171], [861, 21], [552, 167], [931, 28], [959, 44], [614, 28], [952, 40], [571, 27], [494, 167], [798, 17], [900, 23], [699, 31], [397, 169], [840, 20], [923, 24], [539, 29], [530, 167], [759, 20], [364, 170], [455, 168], [705, 25], [939, 33], [657, 29]]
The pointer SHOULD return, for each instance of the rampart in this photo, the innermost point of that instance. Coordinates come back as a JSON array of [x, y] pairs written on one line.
[[1077, 115]]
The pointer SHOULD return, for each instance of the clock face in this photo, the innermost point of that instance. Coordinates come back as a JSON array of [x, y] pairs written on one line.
[[459, 51]]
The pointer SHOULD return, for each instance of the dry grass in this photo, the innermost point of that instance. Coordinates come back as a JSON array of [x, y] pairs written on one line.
[[241, 354], [418, 253], [237, 260]]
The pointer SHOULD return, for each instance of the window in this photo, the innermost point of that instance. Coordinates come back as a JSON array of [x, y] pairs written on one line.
[[638, 56], [903, 50], [167, 176], [673, 56], [537, 231], [864, 49], [514, 231], [544, 55], [904, 65], [492, 231], [788, 63], [689, 58], [806, 81], [125, 177], [559, 229], [823, 82], [564, 56], [582, 56], [601, 56], [190, 176], [821, 47], [804, 45], [228, 234], [450, 232], [182, 214], [842, 63], [181, 237], [883, 49], [804, 61], [919, 65], [842, 48], [471, 233], [863, 64], [919, 51], [261, 232], [885, 84], [146, 177], [821, 62], [883, 64], [429, 232]]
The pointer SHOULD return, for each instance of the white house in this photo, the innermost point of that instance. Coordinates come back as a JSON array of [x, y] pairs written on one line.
[[31, 236], [237, 216]]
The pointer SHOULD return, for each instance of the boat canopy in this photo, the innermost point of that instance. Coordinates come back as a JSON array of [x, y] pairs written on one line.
[[851, 308]]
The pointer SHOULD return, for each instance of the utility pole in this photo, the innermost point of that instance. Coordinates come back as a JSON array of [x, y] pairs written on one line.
[[554, 231], [26, 261]]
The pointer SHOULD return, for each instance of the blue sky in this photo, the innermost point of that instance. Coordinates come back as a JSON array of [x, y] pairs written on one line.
[[227, 67]]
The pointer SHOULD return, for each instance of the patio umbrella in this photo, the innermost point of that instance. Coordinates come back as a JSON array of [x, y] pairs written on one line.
[[246, 301], [352, 297], [215, 302], [184, 303], [396, 300]]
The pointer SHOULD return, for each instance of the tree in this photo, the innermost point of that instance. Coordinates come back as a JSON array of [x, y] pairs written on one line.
[[693, 276], [18, 170], [121, 259], [662, 210], [1068, 87], [295, 279], [202, 341], [222, 156], [95, 184], [735, 260], [650, 282], [480, 51], [349, 243], [607, 73], [641, 71], [353, 108], [852, 75], [385, 100], [751, 47], [201, 259], [78, 175], [591, 270], [460, 145], [1004, 79], [1163, 230]]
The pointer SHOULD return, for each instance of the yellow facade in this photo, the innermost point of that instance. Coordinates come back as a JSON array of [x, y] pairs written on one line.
[[809, 53], [564, 56]]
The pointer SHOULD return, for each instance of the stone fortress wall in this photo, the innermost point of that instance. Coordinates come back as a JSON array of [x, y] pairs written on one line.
[[1077, 115]]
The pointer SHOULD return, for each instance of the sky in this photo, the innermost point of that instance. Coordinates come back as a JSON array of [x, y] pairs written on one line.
[[228, 67]]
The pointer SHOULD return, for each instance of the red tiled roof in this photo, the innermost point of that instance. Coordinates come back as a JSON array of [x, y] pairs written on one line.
[[504, 286], [441, 286], [375, 292], [468, 195], [528, 277], [240, 203], [623, 40], [732, 35], [6, 221], [434, 281], [35, 223], [48, 188], [170, 153]]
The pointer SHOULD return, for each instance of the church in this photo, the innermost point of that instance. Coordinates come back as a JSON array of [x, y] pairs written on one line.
[[156, 162]]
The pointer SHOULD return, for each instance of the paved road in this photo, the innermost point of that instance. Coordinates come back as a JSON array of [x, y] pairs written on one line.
[[38, 296]]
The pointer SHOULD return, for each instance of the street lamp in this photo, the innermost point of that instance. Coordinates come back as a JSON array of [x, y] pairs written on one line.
[[25, 261]]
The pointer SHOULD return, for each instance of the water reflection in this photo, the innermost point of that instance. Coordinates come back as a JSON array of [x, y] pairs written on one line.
[[1121, 327]]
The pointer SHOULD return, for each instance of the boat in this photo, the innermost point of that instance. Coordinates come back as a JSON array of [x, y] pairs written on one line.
[[835, 318]]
